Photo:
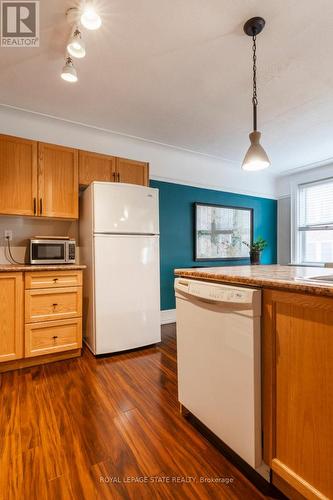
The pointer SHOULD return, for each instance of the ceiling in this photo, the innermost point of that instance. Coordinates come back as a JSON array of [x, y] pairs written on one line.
[[179, 72]]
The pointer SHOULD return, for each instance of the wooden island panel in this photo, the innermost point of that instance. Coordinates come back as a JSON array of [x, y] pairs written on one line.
[[298, 390]]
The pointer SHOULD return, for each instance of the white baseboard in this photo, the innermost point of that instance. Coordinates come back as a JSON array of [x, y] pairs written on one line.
[[168, 316]]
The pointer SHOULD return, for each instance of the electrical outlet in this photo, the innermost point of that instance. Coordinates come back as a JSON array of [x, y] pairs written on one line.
[[8, 234]]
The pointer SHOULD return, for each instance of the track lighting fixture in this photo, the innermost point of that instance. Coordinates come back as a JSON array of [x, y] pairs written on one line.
[[68, 71], [256, 157], [76, 46], [90, 19]]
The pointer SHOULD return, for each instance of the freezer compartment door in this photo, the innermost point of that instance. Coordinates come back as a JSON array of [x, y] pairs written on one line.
[[127, 292], [125, 209]]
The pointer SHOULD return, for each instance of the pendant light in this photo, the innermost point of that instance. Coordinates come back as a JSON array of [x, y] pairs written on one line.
[[256, 157], [76, 46], [68, 71]]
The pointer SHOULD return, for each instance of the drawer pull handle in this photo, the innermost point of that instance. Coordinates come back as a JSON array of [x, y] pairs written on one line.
[[55, 280], [54, 305], [55, 337]]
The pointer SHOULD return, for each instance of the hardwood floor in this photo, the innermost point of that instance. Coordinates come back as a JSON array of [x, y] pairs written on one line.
[[104, 429]]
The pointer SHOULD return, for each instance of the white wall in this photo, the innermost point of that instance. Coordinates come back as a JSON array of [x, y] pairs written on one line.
[[166, 163], [285, 183], [283, 236]]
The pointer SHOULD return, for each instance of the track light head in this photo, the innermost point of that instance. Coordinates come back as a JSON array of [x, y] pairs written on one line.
[[90, 18], [76, 46], [68, 71]]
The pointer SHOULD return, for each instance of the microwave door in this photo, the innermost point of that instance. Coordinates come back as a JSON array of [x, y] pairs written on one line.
[[47, 252]]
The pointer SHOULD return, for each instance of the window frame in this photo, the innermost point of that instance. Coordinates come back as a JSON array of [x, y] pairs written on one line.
[[297, 231]]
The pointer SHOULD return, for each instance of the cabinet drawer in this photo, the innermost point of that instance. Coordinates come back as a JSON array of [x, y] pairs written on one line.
[[47, 304], [53, 336], [47, 279]]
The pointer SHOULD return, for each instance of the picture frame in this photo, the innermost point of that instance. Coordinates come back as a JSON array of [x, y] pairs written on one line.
[[219, 232]]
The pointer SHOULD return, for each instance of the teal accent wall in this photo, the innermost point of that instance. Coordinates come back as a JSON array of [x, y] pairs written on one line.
[[177, 227]]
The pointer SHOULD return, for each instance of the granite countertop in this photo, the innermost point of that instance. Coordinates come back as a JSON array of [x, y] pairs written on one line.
[[292, 278], [10, 268]]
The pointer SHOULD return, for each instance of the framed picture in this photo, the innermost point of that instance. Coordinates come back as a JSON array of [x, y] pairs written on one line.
[[220, 232]]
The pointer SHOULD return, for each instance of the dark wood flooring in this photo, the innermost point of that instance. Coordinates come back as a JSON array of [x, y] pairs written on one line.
[[104, 429]]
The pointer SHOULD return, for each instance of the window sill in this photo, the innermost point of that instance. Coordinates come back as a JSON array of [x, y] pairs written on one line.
[[307, 265]]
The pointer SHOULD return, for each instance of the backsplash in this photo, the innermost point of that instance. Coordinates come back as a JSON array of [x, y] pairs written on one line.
[[24, 228]]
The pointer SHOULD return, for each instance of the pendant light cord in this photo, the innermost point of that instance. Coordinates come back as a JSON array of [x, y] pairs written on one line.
[[254, 96]]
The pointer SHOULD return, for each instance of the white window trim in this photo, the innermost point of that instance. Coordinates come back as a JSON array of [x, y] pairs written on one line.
[[295, 233]]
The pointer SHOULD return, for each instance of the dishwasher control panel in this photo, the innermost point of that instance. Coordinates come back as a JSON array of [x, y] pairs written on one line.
[[216, 292]]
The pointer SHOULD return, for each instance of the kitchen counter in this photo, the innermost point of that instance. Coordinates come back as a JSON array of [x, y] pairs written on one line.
[[11, 268], [291, 278]]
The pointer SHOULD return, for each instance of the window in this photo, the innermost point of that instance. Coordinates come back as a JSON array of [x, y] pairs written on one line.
[[314, 239]]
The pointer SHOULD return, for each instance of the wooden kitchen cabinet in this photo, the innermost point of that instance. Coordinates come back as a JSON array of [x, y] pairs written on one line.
[[95, 167], [47, 304], [57, 181], [298, 390], [132, 171], [51, 279], [38, 179], [11, 316], [98, 167], [53, 312], [18, 176], [40, 317], [53, 336]]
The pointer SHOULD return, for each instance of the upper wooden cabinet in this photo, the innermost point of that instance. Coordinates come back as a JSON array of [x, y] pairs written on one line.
[[298, 390], [98, 167], [57, 181], [38, 179], [18, 176], [132, 172], [11, 314], [95, 167]]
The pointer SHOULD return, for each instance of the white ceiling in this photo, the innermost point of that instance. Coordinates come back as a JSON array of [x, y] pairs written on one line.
[[179, 72]]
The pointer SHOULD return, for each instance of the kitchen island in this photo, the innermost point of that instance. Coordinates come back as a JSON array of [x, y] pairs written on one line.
[[297, 374]]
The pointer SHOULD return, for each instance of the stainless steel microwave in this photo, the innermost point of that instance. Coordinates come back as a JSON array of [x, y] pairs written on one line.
[[52, 251]]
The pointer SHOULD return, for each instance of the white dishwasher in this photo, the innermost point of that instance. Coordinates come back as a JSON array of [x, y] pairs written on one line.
[[218, 351]]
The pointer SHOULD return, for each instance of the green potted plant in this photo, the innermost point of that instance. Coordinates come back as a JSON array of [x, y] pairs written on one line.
[[256, 248]]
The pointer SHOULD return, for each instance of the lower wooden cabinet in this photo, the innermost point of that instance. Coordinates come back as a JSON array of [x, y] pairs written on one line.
[[298, 390], [42, 318], [11, 316], [51, 279], [53, 336], [46, 304]]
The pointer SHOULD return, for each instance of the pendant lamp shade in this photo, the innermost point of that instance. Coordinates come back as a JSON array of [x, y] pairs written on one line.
[[256, 157]]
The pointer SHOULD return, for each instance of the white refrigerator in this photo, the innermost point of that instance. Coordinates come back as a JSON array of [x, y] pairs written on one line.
[[119, 243]]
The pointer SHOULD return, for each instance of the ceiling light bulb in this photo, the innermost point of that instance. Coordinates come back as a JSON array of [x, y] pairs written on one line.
[[256, 157], [68, 71], [76, 46], [90, 18]]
